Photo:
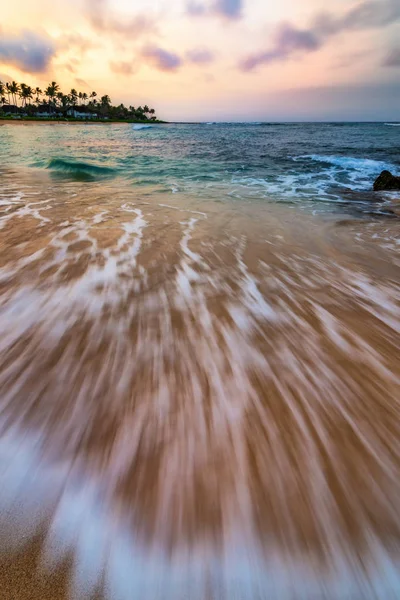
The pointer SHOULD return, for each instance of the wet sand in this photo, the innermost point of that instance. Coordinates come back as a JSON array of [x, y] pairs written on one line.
[[198, 399]]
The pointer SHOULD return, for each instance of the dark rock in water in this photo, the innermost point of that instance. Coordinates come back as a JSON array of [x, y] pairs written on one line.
[[386, 182]]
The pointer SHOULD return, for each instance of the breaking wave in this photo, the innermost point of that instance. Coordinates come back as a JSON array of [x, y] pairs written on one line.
[[138, 127], [79, 170]]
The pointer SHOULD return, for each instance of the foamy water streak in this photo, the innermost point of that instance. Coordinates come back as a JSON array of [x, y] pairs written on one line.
[[199, 403]]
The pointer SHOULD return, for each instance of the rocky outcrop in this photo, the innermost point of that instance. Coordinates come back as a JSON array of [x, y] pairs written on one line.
[[387, 182]]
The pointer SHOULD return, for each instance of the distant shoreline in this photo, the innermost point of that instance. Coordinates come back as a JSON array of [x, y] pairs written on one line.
[[26, 121]]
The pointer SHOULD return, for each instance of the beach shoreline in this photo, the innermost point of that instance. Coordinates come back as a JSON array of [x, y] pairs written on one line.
[[4, 121], [198, 364]]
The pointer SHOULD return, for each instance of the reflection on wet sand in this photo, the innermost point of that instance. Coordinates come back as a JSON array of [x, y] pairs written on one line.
[[198, 401]]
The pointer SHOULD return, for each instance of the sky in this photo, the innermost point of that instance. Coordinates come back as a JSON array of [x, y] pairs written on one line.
[[214, 60]]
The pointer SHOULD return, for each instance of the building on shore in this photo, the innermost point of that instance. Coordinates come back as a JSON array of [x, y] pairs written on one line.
[[80, 113]]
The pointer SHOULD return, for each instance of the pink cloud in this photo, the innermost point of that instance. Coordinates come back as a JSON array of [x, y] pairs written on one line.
[[200, 56], [162, 59], [28, 51], [230, 9], [290, 39]]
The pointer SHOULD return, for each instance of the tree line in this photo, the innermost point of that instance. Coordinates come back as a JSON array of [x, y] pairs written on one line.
[[32, 101]]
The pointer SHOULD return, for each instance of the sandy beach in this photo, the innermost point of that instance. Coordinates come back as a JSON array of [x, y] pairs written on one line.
[[180, 374]]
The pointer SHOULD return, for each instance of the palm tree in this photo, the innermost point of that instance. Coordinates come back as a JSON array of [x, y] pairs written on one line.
[[21, 92], [14, 91], [8, 91], [29, 93], [2, 92], [65, 100], [56, 97], [74, 96], [38, 93], [105, 103], [51, 92], [140, 113], [25, 93]]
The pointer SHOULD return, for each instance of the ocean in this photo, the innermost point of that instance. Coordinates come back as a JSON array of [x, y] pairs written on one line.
[[311, 165], [199, 361]]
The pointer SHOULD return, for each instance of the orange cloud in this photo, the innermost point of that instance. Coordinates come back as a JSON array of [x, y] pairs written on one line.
[[123, 67]]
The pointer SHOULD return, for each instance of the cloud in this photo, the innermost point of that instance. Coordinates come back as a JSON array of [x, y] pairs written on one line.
[[196, 9], [230, 9], [123, 67], [200, 56], [392, 59], [162, 59], [28, 51], [349, 60], [134, 26], [103, 20], [81, 82], [367, 14], [69, 67], [75, 42], [290, 40]]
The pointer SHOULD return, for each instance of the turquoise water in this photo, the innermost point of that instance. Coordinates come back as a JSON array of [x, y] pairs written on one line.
[[308, 164]]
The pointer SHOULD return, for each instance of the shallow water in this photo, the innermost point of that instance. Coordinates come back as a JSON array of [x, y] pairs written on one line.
[[199, 389]]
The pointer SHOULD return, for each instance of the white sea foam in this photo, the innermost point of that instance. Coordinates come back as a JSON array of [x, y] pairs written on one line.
[[304, 186], [184, 210], [284, 319], [106, 551], [138, 127], [340, 172], [362, 165]]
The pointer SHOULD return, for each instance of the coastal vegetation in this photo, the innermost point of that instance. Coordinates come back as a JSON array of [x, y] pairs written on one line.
[[19, 100]]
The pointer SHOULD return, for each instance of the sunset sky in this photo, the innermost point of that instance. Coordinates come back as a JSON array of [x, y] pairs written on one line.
[[214, 59]]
